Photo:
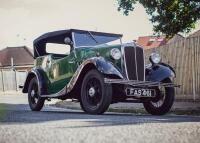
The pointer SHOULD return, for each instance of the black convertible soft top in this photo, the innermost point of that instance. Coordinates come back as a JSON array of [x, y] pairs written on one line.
[[39, 44]]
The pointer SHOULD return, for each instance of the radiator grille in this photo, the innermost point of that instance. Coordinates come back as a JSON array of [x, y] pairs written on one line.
[[134, 63]]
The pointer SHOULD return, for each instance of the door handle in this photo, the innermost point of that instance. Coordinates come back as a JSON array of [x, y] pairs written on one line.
[[71, 62]]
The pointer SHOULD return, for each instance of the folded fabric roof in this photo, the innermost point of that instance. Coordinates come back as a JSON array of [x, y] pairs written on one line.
[[39, 44]]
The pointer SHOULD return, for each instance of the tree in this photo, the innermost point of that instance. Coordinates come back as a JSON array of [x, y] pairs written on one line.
[[168, 16]]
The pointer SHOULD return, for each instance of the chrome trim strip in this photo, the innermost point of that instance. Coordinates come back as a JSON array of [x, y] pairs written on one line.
[[125, 64], [76, 75], [136, 63], [74, 45], [73, 39], [122, 55], [123, 61], [143, 59], [144, 64], [106, 80]]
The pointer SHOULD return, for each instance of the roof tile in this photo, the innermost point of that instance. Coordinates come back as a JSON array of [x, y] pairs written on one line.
[[21, 56]]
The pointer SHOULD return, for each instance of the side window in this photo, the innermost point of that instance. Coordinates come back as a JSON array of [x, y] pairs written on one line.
[[54, 48]]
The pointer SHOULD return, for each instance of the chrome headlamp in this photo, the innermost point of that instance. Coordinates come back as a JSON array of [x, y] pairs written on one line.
[[115, 54], [155, 58]]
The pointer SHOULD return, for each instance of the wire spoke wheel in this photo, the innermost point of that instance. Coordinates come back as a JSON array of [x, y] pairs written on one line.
[[34, 94], [163, 101], [96, 96], [93, 92], [161, 97], [35, 101]]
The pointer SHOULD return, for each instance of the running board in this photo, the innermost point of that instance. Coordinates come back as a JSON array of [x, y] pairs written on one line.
[[136, 83]]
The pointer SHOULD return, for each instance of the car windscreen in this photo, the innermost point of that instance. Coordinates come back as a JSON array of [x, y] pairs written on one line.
[[91, 39]]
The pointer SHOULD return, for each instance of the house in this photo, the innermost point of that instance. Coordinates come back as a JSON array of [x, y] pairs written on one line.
[[149, 42], [20, 58]]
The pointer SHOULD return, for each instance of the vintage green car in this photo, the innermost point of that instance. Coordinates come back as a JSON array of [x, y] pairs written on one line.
[[97, 69]]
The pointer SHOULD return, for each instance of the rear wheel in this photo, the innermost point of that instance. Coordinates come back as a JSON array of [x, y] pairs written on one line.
[[35, 101], [163, 101], [96, 96]]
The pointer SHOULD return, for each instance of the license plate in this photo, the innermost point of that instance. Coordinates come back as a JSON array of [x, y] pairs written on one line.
[[139, 92]]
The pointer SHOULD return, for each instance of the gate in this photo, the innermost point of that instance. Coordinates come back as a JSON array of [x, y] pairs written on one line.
[[10, 80]]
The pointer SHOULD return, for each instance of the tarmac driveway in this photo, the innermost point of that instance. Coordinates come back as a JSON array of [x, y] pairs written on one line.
[[20, 125]]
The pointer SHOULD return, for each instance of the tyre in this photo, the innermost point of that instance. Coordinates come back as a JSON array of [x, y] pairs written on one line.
[[35, 101], [96, 96], [163, 101]]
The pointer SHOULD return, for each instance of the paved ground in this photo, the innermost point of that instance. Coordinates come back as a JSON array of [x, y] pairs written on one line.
[[178, 108], [52, 125]]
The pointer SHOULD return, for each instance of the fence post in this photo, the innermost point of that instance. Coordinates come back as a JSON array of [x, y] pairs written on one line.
[[193, 69], [15, 72], [2, 80], [183, 67]]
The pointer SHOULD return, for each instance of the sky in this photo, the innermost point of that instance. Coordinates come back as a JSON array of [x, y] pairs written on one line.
[[21, 21]]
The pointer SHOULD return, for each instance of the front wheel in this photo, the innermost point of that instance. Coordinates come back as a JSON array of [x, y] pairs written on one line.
[[35, 101], [163, 101], [96, 96]]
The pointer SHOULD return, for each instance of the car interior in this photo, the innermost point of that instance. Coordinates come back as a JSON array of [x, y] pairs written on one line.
[[58, 50]]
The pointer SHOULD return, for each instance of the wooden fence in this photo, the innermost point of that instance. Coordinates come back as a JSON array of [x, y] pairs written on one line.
[[184, 57], [10, 80]]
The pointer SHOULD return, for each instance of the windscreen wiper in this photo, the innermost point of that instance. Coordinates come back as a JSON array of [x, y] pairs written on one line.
[[92, 36]]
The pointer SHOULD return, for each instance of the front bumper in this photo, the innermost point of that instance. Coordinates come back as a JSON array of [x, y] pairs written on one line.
[[141, 84]]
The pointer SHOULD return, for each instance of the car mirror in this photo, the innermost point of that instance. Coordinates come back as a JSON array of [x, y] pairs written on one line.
[[68, 41]]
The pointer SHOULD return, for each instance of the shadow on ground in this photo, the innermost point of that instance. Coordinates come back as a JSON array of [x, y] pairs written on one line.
[[21, 114]]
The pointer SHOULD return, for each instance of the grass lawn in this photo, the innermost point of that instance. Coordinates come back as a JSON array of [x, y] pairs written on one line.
[[2, 111]]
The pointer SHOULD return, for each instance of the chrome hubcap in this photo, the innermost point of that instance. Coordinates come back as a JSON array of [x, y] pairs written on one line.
[[91, 91], [34, 96], [32, 93]]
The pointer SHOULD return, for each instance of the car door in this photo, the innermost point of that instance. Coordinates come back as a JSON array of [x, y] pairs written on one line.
[[61, 68]]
